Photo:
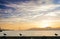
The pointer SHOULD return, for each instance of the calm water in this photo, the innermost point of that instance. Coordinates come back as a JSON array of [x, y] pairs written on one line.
[[31, 33]]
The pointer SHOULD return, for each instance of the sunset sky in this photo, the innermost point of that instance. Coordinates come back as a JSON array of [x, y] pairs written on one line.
[[26, 14]]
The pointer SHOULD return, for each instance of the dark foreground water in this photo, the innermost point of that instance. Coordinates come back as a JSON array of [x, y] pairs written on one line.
[[31, 37]]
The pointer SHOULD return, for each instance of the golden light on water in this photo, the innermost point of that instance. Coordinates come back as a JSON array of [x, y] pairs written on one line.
[[27, 25]]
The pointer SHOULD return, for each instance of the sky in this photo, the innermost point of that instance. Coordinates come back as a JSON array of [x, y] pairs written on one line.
[[25, 14]]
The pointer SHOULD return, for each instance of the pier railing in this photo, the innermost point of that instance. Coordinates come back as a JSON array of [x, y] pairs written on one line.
[[29, 37]]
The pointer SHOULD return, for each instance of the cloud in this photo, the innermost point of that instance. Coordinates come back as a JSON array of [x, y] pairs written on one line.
[[56, 1], [27, 10], [12, 1]]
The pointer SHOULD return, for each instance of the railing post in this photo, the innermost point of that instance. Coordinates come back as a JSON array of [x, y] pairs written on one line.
[[4, 36], [31, 37], [20, 36]]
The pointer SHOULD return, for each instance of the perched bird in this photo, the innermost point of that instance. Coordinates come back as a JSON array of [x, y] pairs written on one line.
[[56, 34], [4, 34], [20, 34]]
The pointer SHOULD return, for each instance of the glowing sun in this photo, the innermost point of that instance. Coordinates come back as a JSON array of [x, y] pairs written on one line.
[[45, 23]]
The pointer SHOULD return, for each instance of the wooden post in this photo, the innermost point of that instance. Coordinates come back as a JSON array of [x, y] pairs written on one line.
[[31, 37], [20, 36], [4, 36]]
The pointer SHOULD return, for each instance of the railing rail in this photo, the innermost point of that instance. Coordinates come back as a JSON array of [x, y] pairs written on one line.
[[29, 37]]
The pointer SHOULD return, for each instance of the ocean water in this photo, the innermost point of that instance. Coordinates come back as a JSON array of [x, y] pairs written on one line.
[[31, 33]]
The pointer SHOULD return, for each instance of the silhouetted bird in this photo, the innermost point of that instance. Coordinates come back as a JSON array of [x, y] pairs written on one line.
[[56, 34], [4, 34], [20, 34]]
